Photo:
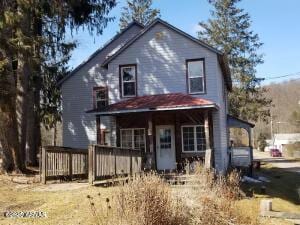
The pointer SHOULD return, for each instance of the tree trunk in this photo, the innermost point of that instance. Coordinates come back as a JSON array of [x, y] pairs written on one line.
[[23, 75], [33, 124], [8, 117], [9, 141], [54, 134]]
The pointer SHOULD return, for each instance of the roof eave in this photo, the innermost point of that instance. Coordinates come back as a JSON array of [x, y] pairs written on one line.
[[116, 112], [134, 22], [240, 120]]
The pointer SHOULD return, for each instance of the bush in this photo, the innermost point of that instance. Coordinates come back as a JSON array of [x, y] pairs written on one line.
[[293, 150], [148, 200], [217, 200], [207, 199], [262, 143]]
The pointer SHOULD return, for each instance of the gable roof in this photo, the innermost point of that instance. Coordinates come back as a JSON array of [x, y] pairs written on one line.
[[147, 28], [134, 22], [232, 120], [221, 57]]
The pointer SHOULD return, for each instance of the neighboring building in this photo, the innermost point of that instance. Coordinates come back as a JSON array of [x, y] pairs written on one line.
[[152, 88], [280, 140]]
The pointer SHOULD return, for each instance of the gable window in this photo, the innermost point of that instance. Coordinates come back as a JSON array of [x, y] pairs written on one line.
[[100, 97], [193, 138], [195, 76], [133, 138], [128, 80]]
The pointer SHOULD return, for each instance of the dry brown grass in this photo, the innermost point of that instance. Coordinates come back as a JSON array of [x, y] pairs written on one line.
[[208, 199], [217, 199], [146, 200]]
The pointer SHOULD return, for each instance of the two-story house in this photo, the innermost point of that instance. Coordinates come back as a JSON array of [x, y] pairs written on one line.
[[155, 89]]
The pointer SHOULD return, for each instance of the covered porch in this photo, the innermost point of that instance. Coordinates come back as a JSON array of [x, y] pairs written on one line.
[[241, 154], [169, 129]]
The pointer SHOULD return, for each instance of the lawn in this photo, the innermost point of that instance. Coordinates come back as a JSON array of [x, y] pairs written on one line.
[[283, 189], [69, 204], [61, 206]]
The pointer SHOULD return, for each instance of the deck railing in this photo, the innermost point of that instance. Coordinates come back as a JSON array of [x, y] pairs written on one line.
[[107, 162], [63, 163]]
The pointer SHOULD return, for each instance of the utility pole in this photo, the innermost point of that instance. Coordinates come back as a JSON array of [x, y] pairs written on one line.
[[272, 137]]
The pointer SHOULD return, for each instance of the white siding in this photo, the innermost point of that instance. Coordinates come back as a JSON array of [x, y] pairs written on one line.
[[161, 68], [79, 128], [161, 64]]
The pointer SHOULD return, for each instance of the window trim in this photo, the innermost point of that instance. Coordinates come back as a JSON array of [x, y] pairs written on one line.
[[195, 139], [98, 88], [188, 78], [132, 137], [121, 80]]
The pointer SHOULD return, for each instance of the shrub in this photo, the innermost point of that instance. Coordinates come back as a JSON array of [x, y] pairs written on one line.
[[262, 143], [206, 199], [293, 149], [148, 200]]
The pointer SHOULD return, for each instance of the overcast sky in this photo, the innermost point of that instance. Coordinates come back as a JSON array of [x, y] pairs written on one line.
[[276, 21]]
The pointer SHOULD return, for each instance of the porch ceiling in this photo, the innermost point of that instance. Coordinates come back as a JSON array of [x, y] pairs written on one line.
[[161, 102]]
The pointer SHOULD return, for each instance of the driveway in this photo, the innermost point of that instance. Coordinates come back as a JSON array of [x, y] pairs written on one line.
[[279, 162]]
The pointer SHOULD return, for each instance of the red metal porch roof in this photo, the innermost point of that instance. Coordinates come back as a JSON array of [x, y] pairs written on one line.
[[156, 102]]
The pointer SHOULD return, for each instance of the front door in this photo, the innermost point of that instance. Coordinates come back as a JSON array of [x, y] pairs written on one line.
[[165, 148]]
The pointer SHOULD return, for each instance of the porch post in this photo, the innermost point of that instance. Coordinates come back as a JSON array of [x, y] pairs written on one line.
[[149, 135], [208, 152], [98, 132]]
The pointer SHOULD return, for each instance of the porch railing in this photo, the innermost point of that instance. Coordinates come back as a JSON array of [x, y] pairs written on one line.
[[107, 162], [63, 163], [241, 156]]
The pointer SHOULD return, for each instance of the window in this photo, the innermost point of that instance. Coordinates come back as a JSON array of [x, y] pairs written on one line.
[[128, 80], [195, 76], [193, 138], [100, 97], [133, 138]]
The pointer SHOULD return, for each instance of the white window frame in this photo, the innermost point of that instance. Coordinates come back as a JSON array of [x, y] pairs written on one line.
[[132, 81], [132, 137], [102, 100], [201, 76], [195, 139]]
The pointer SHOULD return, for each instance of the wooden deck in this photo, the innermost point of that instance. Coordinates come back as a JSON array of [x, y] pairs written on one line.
[[99, 164], [112, 163], [61, 163]]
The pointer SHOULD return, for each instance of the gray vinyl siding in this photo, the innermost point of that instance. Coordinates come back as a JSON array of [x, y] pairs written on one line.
[[161, 64], [79, 128], [161, 68]]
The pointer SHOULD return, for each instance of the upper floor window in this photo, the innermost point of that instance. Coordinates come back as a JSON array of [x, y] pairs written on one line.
[[100, 97], [128, 80], [195, 76]]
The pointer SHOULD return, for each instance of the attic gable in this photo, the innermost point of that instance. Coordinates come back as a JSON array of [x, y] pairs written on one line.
[[104, 47], [221, 58]]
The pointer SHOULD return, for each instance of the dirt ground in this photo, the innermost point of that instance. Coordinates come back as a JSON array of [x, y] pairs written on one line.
[[67, 203], [64, 203]]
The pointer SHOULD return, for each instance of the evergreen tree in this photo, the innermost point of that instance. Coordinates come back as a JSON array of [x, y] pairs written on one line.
[[33, 54], [139, 10], [229, 30]]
